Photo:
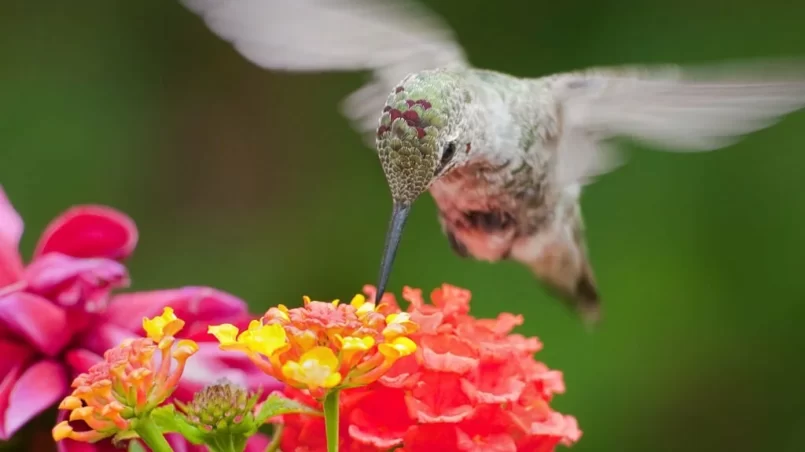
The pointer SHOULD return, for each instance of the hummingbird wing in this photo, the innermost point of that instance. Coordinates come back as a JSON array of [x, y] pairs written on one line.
[[669, 108], [390, 38]]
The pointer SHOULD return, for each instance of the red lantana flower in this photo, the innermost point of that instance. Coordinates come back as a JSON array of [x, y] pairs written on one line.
[[472, 385]]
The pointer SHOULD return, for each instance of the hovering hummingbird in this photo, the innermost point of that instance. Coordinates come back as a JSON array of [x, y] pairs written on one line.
[[505, 158]]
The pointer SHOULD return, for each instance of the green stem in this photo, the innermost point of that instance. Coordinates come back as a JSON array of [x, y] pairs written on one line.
[[152, 435], [331, 420], [276, 438], [226, 443]]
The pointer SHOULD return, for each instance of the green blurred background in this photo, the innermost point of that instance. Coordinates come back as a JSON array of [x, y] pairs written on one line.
[[252, 182]]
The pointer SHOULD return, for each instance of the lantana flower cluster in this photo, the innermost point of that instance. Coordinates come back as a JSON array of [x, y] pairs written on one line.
[[323, 346], [116, 394], [472, 385]]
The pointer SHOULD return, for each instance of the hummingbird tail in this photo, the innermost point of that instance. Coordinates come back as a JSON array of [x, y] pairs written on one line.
[[561, 264]]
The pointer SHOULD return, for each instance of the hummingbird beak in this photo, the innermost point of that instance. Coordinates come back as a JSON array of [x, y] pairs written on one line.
[[399, 214]]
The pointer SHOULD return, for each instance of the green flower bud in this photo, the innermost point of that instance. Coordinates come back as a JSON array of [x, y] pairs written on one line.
[[223, 413]]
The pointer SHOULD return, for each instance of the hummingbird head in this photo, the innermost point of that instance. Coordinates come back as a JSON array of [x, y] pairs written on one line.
[[417, 138]]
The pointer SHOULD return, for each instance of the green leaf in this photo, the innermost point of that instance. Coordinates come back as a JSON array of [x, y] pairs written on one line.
[[170, 421], [276, 405]]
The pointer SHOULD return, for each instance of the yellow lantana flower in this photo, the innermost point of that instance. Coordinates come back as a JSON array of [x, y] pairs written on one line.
[[163, 325], [324, 345]]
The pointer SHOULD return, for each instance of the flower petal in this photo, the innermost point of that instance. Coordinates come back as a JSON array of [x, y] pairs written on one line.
[[438, 397], [257, 443], [194, 305], [6, 385], [38, 388], [430, 437], [90, 231], [73, 282], [10, 232], [380, 418], [11, 225], [105, 336], [14, 355], [81, 360], [11, 267], [37, 320]]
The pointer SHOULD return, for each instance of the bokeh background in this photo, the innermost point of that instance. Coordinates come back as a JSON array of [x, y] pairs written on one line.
[[252, 182]]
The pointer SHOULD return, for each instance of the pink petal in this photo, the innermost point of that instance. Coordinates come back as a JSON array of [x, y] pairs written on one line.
[[204, 305], [69, 445], [11, 267], [73, 282], [257, 443], [15, 359], [6, 385], [10, 232], [37, 320], [37, 389], [211, 364], [90, 231], [81, 360], [11, 225], [105, 336], [14, 355]]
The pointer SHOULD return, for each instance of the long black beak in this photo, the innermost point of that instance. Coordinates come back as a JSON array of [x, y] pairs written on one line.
[[399, 214]]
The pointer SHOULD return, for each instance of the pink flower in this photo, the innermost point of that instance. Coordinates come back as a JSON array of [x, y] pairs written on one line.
[[57, 315]]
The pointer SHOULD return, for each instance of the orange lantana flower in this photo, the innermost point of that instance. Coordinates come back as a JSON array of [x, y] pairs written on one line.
[[127, 384]]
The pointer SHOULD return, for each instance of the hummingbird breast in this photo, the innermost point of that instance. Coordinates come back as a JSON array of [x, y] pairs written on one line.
[[484, 208], [502, 190]]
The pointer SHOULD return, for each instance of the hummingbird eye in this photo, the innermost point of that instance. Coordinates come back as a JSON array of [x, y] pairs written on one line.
[[447, 155]]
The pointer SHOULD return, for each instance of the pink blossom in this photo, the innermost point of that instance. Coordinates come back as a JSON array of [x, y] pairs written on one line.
[[57, 314]]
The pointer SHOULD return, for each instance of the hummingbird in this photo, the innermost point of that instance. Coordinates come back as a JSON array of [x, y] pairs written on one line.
[[505, 158]]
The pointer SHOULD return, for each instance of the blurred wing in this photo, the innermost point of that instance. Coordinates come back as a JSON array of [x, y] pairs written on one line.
[[668, 108], [390, 38]]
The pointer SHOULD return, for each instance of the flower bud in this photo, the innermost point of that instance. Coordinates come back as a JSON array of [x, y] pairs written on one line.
[[222, 407]]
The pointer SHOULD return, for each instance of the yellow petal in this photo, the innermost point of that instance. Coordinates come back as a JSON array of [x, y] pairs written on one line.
[[61, 431], [332, 380], [185, 348], [402, 346], [357, 301], [255, 325], [398, 324], [398, 317], [321, 355], [226, 333], [355, 343], [70, 403], [362, 307], [306, 340], [266, 339], [317, 368], [166, 324], [80, 414]]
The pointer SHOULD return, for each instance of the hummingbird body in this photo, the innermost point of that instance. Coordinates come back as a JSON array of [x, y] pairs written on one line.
[[499, 201], [505, 158]]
